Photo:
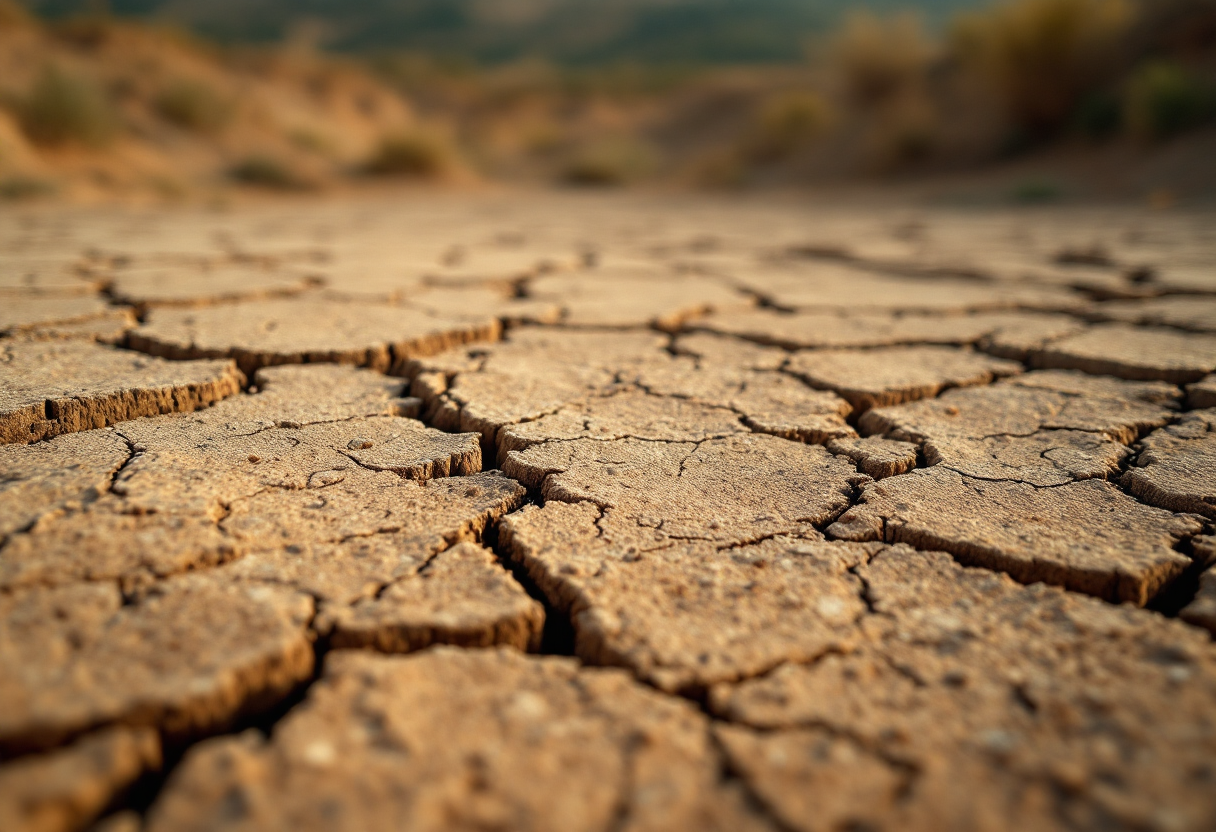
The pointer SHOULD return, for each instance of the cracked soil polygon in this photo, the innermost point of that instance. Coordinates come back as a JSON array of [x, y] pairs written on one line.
[[1197, 314], [689, 614], [67, 788], [29, 310], [630, 414], [53, 387], [876, 457], [725, 491], [1010, 334], [310, 394], [1133, 353], [463, 739], [155, 286], [887, 376], [1086, 536], [1035, 428], [1202, 394], [173, 478], [110, 327], [1201, 610], [744, 378], [47, 274], [57, 475], [534, 372], [611, 299], [1021, 693], [302, 331], [848, 288], [188, 658], [1176, 468], [461, 597]]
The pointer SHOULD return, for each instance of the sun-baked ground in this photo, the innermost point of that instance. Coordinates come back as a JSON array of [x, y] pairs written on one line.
[[528, 511]]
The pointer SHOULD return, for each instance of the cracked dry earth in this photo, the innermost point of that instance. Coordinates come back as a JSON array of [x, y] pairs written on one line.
[[607, 513]]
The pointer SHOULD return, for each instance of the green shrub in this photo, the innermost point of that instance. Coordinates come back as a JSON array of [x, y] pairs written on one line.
[[1042, 57], [63, 108], [786, 123], [193, 105], [610, 161], [266, 171], [1164, 100], [414, 154]]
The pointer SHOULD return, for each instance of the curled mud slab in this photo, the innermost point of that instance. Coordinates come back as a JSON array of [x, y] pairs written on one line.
[[887, 519], [54, 387]]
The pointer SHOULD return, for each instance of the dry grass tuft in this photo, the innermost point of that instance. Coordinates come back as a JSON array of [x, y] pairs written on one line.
[[193, 105], [264, 170], [413, 154], [64, 108]]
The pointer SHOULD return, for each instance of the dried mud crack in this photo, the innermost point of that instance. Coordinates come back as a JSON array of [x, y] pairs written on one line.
[[559, 517]]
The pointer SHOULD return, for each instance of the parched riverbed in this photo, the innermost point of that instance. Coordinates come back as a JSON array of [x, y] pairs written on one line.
[[607, 512]]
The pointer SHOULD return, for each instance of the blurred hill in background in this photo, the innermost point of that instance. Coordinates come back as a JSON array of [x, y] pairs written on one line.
[[1053, 98], [571, 32]]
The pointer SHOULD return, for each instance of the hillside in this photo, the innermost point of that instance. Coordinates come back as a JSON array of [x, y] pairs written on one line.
[[565, 31], [1119, 97]]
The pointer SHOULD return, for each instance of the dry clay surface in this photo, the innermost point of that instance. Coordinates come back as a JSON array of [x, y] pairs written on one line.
[[614, 513]]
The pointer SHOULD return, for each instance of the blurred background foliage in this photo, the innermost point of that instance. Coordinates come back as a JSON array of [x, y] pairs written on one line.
[[169, 97]]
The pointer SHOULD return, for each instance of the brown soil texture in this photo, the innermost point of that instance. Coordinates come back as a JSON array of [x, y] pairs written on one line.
[[615, 512]]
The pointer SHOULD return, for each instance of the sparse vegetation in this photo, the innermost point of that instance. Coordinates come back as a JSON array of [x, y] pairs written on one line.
[[1036, 192], [414, 154], [266, 171], [1163, 100], [64, 108], [881, 96], [193, 105], [1042, 57], [786, 123], [24, 187], [312, 141], [610, 161], [880, 58]]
